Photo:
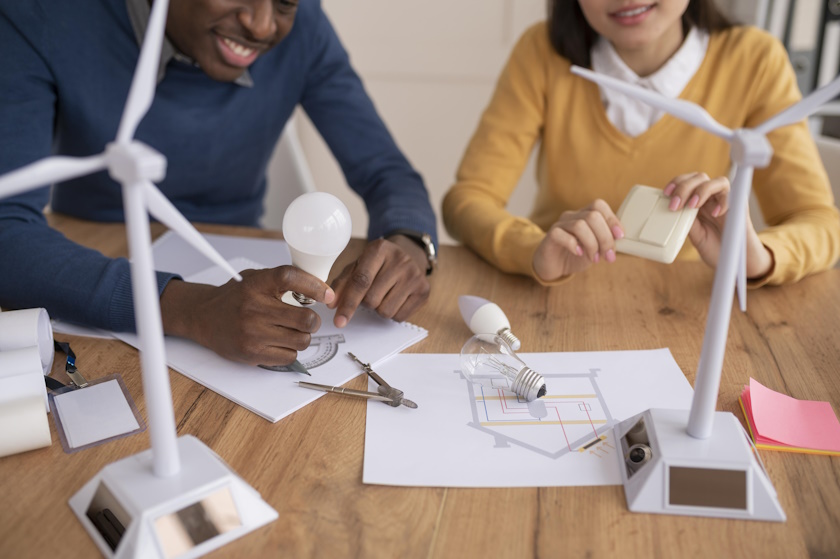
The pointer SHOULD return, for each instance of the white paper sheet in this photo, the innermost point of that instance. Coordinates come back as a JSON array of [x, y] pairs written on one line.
[[272, 394], [63, 327], [465, 435], [172, 254], [95, 413]]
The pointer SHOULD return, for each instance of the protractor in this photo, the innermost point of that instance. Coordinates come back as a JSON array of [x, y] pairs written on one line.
[[321, 350]]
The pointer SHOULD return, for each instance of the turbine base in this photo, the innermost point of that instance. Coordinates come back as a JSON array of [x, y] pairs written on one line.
[[666, 471], [130, 512]]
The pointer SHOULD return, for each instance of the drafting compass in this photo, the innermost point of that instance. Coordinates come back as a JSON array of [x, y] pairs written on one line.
[[386, 393]]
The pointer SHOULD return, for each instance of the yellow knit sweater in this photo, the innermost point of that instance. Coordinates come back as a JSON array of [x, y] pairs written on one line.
[[744, 79]]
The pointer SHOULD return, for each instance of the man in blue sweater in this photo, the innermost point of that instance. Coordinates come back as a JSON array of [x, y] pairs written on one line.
[[232, 72]]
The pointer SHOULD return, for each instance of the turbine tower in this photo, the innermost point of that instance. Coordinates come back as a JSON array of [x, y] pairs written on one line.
[[664, 429]]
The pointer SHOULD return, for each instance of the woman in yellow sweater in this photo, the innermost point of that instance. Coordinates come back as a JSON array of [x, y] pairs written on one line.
[[595, 144]]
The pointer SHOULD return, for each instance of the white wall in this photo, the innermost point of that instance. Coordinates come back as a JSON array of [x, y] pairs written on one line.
[[430, 68]]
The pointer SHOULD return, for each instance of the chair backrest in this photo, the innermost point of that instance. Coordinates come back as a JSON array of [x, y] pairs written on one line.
[[829, 149], [289, 176], [830, 154]]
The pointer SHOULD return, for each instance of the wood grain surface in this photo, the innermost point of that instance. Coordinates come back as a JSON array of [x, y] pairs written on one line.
[[308, 466]]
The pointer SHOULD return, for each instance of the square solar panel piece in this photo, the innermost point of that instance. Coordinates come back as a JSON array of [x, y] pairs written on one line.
[[651, 230]]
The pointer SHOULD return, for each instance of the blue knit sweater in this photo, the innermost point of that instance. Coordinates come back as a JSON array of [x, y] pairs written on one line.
[[65, 71]]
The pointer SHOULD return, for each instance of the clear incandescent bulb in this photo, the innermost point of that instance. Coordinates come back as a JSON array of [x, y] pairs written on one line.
[[317, 227], [485, 317], [488, 356]]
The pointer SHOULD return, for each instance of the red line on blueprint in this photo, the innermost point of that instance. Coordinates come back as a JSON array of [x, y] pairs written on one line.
[[503, 400], [590, 419], [560, 421], [506, 411]]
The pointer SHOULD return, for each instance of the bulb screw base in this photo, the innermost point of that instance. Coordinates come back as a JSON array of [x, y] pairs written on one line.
[[529, 384], [303, 299], [509, 338]]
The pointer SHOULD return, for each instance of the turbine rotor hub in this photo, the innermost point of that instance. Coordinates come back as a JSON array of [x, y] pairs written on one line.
[[750, 148], [134, 162]]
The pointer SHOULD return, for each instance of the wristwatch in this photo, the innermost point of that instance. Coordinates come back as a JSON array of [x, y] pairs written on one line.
[[425, 242]]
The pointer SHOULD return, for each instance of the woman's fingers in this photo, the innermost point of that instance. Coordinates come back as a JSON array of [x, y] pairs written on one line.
[[695, 190]]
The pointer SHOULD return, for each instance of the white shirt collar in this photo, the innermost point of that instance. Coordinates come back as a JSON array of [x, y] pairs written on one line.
[[634, 117]]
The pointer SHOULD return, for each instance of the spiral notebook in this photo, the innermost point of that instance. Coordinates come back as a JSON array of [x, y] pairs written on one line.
[[273, 394]]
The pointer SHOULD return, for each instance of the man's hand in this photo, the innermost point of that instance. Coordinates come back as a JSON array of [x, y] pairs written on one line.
[[246, 321], [578, 240], [389, 277]]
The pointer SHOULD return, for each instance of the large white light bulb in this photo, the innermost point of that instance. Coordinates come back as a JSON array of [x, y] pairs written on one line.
[[487, 356], [485, 317], [317, 227]]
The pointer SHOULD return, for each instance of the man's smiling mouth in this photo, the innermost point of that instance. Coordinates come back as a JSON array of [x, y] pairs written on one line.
[[235, 53], [238, 48]]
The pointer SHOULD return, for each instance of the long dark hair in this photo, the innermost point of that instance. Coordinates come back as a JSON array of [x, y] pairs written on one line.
[[572, 36]]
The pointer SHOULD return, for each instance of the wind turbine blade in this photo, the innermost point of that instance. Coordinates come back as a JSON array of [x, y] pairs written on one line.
[[48, 171], [683, 110], [145, 75], [802, 109], [163, 210]]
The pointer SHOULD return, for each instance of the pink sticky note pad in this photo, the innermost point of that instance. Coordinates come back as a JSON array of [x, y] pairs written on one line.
[[792, 422]]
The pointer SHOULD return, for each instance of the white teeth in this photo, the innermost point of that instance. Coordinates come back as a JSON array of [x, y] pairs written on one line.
[[631, 13], [240, 50]]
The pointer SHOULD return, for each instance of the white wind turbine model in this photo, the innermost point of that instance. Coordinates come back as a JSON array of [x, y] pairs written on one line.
[[712, 472], [178, 497]]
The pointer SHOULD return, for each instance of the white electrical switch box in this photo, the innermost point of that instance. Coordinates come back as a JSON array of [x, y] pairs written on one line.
[[651, 230]]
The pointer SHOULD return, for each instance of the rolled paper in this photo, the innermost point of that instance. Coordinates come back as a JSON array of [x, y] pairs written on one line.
[[23, 421], [22, 362], [28, 328]]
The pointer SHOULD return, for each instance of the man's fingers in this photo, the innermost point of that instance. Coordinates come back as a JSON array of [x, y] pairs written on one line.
[[289, 278], [295, 318], [275, 356], [352, 288], [384, 278], [411, 304], [269, 346], [404, 296]]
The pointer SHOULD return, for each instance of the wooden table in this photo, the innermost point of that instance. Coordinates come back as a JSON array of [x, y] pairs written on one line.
[[309, 465]]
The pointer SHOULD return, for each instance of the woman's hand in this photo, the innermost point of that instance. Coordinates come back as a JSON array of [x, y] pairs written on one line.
[[577, 240], [711, 196]]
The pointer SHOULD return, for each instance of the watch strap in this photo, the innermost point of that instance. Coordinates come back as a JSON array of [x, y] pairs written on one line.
[[424, 240]]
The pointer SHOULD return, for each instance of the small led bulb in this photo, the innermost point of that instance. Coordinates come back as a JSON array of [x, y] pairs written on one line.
[[485, 317]]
